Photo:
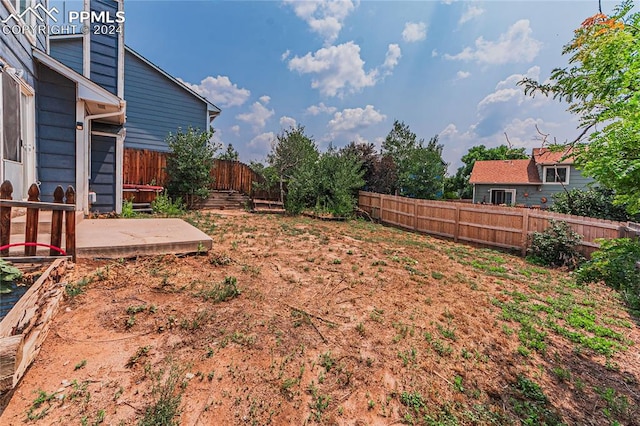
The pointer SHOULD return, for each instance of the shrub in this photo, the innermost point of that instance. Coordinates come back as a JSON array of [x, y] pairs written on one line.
[[127, 209], [594, 202], [164, 205], [189, 165], [614, 264], [556, 246]]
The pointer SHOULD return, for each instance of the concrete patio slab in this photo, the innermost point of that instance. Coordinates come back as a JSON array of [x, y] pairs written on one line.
[[116, 238]]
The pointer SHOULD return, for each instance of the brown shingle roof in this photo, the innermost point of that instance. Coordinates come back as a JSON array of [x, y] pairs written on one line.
[[546, 156], [505, 171]]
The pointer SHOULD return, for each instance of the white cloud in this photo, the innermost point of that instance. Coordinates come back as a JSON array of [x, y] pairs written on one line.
[[338, 69], [355, 118], [507, 90], [434, 53], [265, 99], [460, 75], [257, 116], [321, 108], [235, 129], [393, 55], [287, 122], [414, 31], [470, 13], [262, 141], [324, 17], [285, 55], [220, 91], [516, 45]]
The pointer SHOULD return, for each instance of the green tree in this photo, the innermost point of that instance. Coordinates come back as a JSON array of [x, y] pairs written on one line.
[[292, 153], [593, 202], [229, 154], [602, 86], [459, 183], [420, 167], [189, 165]]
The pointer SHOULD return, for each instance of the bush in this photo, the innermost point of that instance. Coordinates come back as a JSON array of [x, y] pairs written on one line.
[[127, 209], [615, 265], [556, 246], [595, 202], [189, 165], [164, 205]]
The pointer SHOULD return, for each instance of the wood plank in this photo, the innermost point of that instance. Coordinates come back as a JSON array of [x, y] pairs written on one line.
[[41, 205]]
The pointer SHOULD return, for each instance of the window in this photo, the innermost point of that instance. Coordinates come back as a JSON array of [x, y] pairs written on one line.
[[11, 128], [556, 174], [503, 196]]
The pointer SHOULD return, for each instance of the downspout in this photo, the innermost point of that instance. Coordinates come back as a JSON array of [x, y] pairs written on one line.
[[87, 135]]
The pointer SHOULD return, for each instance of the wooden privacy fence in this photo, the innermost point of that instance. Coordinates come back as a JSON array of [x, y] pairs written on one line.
[[144, 167], [505, 227], [63, 210]]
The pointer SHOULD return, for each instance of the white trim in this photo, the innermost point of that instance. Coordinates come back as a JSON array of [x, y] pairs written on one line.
[[511, 191], [66, 36], [82, 193], [119, 168], [556, 167], [86, 45], [121, 50], [87, 89]]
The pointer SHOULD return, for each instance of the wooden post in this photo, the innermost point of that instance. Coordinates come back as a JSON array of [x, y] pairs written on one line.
[[70, 224], [6, 189], [525, 230], [56, 222], [31, 229], [456, 229]]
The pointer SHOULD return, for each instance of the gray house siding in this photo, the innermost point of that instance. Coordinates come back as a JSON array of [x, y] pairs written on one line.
[[56, 142], [104, 51], [68, 51], [535, 196], [482, 194], [156, 106], [16, 48], [103, 170]]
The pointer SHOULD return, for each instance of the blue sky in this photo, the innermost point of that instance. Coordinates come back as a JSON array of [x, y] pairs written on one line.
[[346, 70]]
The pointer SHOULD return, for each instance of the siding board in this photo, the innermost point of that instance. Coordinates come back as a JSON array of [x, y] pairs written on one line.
[[103, 170], [104, 51], [56, 134], [156, 106], [67, 51]]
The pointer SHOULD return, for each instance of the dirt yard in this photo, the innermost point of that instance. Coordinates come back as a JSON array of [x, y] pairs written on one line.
[[298, 321]]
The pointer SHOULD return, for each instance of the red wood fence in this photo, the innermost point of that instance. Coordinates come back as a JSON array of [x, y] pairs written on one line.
[[505, 227], [63, 210], [144, 167]]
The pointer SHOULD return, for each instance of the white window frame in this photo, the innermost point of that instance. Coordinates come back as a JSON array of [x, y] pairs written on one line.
[[27, 126], [511, 191], [555, 167]]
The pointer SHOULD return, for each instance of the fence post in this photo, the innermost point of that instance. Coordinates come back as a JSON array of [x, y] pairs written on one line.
[[31, 229], [525, 230], [456, 229], [56, 222], [70, 224], [6, 189]]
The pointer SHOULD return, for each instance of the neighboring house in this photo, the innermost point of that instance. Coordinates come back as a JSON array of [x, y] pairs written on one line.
[[531, 182], [64, 109]]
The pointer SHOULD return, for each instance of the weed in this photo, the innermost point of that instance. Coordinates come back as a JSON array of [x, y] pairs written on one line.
[[360, 329], [437, 275], [563, 374], [371, 404], [80, 365], [142, 352], [617, 405], [408, 356], [531, 404], [447, 332], [379, 263], [336, 261], [327, 361], [166, 392], [42, 398], [132, 310], [376, 315], [77, 288], [457, 383], [221, 292], [220, 260], [441, 348], [131, 321]]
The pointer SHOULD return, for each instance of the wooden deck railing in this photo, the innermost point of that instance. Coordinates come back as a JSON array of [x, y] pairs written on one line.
[[505, 227], [63, 212]]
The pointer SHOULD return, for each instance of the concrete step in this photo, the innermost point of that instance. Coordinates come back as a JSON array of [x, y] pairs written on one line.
[[19, 223]]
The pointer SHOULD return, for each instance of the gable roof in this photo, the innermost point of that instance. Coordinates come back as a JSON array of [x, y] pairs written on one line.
[[545, 156], [505, 172], [211, 108]]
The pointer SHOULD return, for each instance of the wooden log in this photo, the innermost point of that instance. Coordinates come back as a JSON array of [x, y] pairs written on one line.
[[56, 222], [70, 224], [10, 357], [6, 189], [31, 317], [31, 229]]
